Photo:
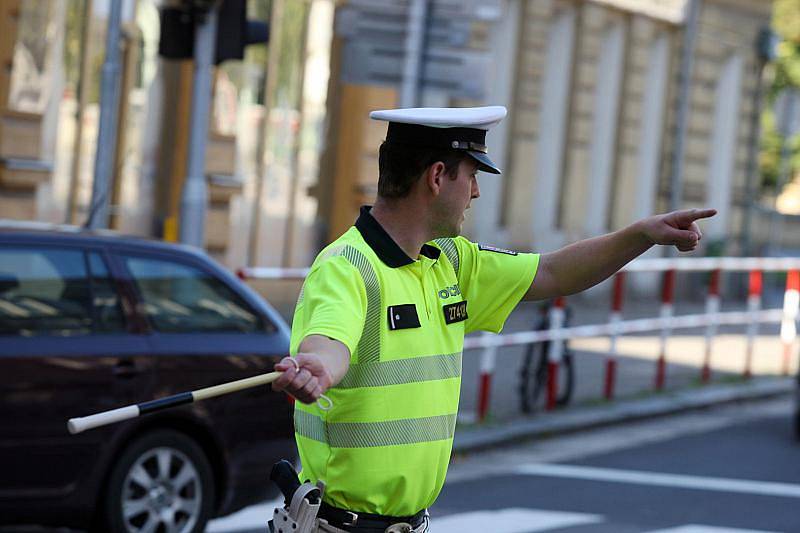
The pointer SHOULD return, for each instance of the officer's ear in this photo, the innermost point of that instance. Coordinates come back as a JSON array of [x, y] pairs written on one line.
[[434, 177]]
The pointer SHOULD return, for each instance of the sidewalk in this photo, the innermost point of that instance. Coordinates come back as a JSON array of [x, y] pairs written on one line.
[[473, 437]]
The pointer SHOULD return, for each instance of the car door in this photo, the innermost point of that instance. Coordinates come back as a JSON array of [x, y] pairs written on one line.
[[207, 331], [66, 350]]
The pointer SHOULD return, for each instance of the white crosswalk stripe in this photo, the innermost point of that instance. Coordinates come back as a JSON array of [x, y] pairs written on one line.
[[692, 528], [589, 473], [513, 520]]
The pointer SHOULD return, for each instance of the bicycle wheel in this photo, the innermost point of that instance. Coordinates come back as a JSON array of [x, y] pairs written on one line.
[[566, 378], [533, 376]]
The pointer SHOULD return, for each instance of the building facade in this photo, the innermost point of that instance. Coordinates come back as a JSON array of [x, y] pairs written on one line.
[[592, 88]]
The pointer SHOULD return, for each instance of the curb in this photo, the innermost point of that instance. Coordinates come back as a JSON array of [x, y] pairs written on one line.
[[477, 438]]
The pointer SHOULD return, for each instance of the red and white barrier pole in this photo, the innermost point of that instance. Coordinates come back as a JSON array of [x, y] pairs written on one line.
[[555, 352], [712, 308], [754, 291], [614, 318], [791, 303], [665, 312], [485, 381]]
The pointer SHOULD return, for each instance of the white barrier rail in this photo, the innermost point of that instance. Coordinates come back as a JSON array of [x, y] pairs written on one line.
[[729, 264], [665, 323], [639, 325]]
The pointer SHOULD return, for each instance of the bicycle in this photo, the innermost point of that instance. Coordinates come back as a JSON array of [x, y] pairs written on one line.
[[533, 373]]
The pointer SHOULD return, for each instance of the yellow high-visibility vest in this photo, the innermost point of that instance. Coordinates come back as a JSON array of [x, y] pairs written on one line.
[[385, 445]]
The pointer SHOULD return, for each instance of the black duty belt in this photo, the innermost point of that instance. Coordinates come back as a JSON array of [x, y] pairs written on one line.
[[343, 518]]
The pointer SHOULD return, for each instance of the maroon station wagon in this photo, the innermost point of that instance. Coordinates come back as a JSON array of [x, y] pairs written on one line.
[[95, 321]]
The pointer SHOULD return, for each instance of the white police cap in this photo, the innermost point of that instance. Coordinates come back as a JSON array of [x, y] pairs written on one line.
[[459, 128]]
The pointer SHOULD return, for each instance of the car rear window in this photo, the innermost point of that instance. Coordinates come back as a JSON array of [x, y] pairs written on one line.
[[179, 298], [56, 292]]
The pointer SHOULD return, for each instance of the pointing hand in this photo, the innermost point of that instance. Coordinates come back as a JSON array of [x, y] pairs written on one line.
[[678, 228]]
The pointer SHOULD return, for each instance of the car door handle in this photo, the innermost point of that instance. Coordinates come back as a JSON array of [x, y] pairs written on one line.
[[126, 368]]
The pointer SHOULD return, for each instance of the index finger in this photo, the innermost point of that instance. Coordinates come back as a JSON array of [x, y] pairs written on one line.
[[696, 214]]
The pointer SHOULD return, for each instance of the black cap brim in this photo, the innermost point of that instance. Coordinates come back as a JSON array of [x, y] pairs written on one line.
[[484, 163]]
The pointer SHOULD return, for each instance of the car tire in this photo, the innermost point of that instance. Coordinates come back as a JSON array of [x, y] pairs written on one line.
[[161, 479]]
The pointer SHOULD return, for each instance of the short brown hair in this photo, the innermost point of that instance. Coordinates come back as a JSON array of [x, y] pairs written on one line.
[[401, 165]]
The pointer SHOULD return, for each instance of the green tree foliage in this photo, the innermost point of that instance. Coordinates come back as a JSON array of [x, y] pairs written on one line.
[[785, 70]]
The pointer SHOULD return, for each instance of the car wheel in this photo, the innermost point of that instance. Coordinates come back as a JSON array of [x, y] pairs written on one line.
[[162, 483]]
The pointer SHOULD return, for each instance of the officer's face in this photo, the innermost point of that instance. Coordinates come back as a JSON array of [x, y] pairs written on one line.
[[456, 196]]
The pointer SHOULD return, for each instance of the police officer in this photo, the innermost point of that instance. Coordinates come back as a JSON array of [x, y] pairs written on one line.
[[381, 318]]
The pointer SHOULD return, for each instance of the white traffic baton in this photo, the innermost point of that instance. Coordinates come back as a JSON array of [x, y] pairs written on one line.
[[79, 424]]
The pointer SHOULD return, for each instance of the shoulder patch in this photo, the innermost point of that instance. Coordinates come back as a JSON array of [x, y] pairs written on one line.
[[485, 248]]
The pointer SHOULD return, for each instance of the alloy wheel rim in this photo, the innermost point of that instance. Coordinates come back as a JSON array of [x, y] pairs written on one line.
[[162, 493]]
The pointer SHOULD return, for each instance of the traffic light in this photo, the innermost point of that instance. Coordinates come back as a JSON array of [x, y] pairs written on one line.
[[234, 31]]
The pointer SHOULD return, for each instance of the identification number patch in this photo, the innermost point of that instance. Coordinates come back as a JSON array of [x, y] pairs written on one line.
[[455, 312], [485, 248]]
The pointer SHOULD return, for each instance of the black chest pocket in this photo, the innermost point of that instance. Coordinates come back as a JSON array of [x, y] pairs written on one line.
[[455, 312], [403, 316]]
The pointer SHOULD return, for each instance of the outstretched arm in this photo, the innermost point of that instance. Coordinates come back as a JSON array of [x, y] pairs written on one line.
[[321, 363], [586, 263]]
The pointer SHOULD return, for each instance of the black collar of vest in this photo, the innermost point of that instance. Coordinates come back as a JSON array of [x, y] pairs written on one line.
[[382, 243]]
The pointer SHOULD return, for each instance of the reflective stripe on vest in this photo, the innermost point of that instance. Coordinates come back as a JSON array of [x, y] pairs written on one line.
[[448, 246], [369, 346], [371, 434], [412, 370]]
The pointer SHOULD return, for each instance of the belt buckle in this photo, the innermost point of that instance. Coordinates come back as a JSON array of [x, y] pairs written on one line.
[[353, 519]]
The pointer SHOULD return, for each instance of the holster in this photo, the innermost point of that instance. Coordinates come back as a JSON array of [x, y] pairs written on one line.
[[301, 514]]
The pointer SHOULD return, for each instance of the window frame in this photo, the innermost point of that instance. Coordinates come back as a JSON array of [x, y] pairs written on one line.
[[119, 254]]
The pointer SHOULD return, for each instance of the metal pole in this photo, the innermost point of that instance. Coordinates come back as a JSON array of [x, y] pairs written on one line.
[[684, 94], [106, 136], [131, 38], [194, 196], [415, 48]]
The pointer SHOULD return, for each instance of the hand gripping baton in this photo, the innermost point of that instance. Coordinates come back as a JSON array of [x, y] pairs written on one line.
[[77, 425]]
